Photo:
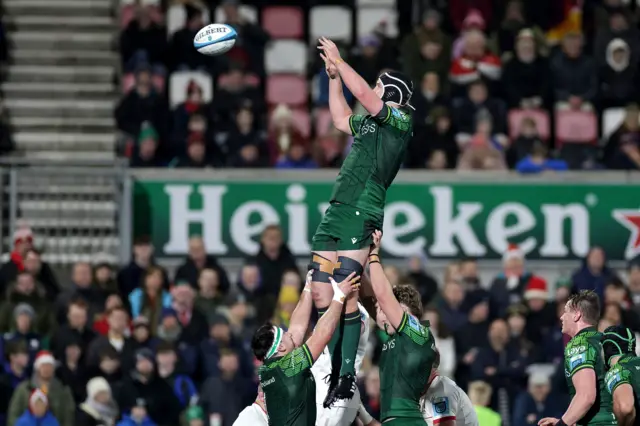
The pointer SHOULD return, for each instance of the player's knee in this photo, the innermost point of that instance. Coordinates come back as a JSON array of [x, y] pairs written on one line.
[[346, 266], [322, 268]]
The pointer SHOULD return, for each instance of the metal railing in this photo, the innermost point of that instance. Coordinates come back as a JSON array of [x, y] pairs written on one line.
[[77, 210]]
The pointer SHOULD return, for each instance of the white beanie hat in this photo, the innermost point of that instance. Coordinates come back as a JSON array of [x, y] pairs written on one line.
[[97, 385]]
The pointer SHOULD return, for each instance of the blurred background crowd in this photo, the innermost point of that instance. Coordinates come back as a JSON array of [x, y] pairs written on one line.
[[174, 349], [526, 85]]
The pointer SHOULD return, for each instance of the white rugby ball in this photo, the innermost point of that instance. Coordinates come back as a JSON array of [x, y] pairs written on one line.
[[215, 39]]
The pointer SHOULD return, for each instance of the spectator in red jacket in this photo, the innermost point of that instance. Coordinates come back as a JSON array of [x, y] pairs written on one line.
[[475, 63]]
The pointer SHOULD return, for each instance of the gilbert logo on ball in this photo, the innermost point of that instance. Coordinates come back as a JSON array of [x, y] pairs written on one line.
[[215, 39]]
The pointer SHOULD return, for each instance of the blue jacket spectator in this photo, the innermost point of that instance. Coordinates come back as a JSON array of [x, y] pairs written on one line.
[[30, 419], [152, 299], [538, 402], [38, 413], [130, 421], [594, 273], [532, 164]]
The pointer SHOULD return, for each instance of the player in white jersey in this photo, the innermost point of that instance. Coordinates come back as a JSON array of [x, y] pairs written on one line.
[[255, 414], [444, 403], [342, 412]]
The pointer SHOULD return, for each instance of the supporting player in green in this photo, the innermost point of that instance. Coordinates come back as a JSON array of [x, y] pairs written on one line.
[[623, 377], [341, 242], [285, 376], [408, 356], [584, 365]]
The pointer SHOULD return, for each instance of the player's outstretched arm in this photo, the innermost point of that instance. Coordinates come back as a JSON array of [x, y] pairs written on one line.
[[301, 314], [381, 285], [340, 110], [624, 405], [354, 82], [327, 324]]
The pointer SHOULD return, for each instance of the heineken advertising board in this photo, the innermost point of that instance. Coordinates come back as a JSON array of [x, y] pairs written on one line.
[[549, 221]]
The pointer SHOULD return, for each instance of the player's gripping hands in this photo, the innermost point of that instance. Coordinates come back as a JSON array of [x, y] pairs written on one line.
[[348, 286]]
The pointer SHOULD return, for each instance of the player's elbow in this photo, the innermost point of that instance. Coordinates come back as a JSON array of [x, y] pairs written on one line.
[[623, 407]]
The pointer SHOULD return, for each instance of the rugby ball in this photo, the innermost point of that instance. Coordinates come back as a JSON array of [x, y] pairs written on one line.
[[215, 39]]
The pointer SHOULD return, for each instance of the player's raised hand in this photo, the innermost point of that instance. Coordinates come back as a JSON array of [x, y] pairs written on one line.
[[329, 49], [377, 241], [329, 67]]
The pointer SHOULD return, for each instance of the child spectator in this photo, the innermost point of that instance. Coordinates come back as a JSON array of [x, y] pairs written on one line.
[[538, 162], [38, 413]]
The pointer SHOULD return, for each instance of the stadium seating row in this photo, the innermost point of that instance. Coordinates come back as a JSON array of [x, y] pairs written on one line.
[[329, 21]]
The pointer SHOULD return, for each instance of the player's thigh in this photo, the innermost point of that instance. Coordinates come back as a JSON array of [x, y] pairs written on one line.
[[323, 263], [354, 232], [335, 416]]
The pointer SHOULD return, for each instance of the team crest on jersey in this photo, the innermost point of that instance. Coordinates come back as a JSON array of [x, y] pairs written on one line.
[[440, 405]]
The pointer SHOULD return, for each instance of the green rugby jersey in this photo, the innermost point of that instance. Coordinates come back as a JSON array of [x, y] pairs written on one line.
[[378, 151], [289, 388], [584, 350], [626, 371], [405, 366]]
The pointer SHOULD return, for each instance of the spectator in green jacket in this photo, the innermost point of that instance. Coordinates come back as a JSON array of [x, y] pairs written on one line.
[[61, 401], [480, 396]]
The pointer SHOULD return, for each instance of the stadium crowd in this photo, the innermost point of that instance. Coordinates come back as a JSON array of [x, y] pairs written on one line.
[[501, 85], [133, 346]]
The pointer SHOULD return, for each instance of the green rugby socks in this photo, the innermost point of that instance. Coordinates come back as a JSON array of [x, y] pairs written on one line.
[[334, 343], [350, 341]]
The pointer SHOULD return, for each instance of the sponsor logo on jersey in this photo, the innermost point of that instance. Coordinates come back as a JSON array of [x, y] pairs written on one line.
[[576, 349], [268, 382], [566, 373], [440, 405], [611, 382], [389, 345], [577, 360], [354, 240]]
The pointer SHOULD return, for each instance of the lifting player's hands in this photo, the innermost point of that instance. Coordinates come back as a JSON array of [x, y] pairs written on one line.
[[330, 53], [377, 240], [346, 287], [307, 280]]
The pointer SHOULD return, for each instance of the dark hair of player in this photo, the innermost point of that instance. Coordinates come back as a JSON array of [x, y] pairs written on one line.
[[588, 304], [407, 295], [262, 340]]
